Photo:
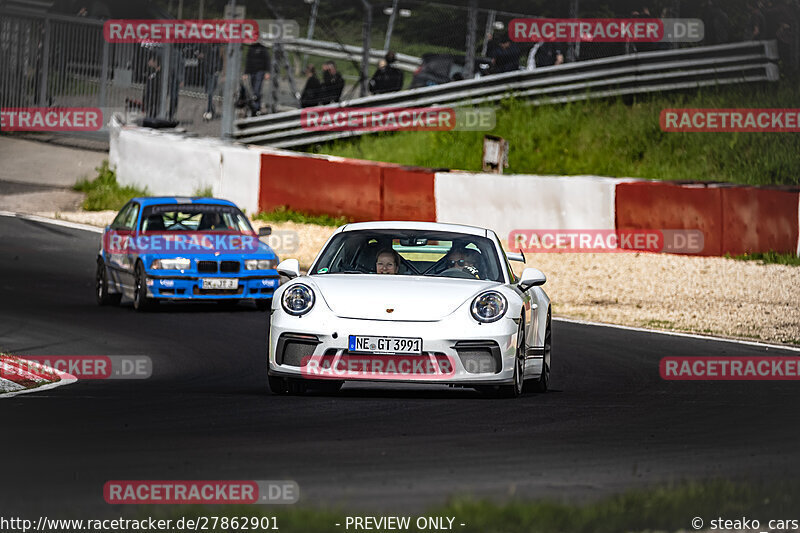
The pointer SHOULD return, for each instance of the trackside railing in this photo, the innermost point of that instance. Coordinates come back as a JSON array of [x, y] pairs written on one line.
[[670, 70]]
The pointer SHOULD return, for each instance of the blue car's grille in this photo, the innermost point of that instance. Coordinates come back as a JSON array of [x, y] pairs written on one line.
[[207, 267], [229, 266]]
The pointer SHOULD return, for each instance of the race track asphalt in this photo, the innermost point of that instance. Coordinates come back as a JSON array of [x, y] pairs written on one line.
[[611, 422]]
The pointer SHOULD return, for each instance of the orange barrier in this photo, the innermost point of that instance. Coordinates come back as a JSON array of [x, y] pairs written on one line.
[[360, 190], [659, 205], [408, 194], [759, 220]]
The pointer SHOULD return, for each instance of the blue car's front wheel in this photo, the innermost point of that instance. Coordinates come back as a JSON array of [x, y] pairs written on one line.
[[141, 302], [101, 286]]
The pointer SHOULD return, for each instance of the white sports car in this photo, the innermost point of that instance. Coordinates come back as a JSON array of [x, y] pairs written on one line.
[[410, 302]]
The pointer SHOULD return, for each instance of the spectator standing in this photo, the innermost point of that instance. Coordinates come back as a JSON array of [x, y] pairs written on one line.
[[504, 56], [387, 78], [257, 68], [312, 90], [211, 60], [756, 22], [716, 23], [176, 75], [549, 54], [152, 86], [332, 83]]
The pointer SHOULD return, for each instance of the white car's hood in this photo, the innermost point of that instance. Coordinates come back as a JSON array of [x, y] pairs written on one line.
[[411, 298]]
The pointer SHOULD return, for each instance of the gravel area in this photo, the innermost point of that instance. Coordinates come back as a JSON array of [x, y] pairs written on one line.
[[711, 295]]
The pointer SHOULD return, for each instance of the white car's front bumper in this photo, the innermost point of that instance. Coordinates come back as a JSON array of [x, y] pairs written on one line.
[[480, 354]]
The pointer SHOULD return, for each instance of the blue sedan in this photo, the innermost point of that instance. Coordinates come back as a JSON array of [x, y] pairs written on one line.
[[170, 248]]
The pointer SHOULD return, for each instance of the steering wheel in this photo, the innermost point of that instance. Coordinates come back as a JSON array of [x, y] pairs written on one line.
[[456, 272]]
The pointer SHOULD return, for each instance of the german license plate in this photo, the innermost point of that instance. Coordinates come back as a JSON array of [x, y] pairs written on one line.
[[365, 344], [220, 283]]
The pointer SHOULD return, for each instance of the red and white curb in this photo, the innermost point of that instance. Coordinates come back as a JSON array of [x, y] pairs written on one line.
[[20, 376]]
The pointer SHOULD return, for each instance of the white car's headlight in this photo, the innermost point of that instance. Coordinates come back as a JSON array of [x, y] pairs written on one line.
[[260, 264], [489, 306], [298, 299], [172, 263]]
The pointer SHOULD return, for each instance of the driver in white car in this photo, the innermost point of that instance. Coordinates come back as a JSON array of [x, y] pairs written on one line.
[[387, 262]]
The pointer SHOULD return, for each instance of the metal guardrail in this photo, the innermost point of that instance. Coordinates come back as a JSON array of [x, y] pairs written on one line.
[[346, 51], [747, 62]]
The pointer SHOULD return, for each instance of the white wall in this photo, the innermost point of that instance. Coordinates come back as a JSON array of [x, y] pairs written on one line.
[[171, 164], [517, 202]]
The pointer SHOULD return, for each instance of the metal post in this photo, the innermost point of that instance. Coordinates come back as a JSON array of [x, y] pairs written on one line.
[[572, 52], [491, 16], [472, 27], [166, 63], [367, 33], [312, 22], [104, 74], [390, 26], [180, 9], [44, 65], [233, 52]]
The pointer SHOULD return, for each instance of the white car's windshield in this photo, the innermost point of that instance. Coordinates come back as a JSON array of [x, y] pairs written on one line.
[[411, 253]]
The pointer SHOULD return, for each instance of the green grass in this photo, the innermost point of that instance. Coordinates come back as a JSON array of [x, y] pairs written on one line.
[[206, 192], [608, 138], [104, 192], [284, 214], [770, 258], [668, 508]]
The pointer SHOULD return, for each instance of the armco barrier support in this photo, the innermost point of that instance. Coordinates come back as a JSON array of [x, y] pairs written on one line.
[[759, 220], [659, 205], [408, 194], [517, 202], [316, 185]]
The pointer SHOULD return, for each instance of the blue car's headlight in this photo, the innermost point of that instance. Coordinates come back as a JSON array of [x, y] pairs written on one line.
[[298, 299], [172, 263], [260, 264], [489, 306]]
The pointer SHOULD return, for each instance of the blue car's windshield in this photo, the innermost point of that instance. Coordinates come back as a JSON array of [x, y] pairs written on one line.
[[411, 252], [194, 217]]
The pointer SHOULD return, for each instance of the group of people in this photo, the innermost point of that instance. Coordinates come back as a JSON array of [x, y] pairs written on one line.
[[320, 92]]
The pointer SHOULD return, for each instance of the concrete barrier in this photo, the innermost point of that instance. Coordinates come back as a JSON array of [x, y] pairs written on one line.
[[515, 202], [333, 186], [175, 165], [662, 205], [759, 220], [408, 194]]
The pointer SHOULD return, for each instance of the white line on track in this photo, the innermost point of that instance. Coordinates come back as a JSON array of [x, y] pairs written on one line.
[[53, 221], [679, 334], [94, 229]]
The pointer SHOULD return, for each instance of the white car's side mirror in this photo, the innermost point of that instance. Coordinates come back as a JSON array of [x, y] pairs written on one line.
[[289, 268], [531, 277]]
